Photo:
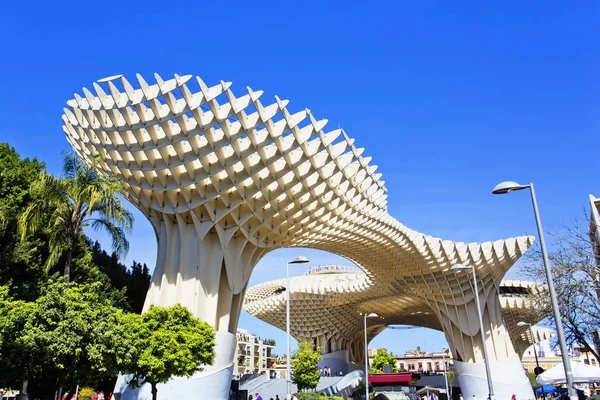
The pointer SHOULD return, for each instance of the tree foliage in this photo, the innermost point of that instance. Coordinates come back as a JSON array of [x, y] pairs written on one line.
[[576, 273], [33, 307], [14, 315], [306, 372], [78, 199], [73, 335], [86, 393], [383, 359], [20, 262], [451, 376], [66, 337], [165, 342]]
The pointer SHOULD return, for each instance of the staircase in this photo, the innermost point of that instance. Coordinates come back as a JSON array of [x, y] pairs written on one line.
[[335, 385]]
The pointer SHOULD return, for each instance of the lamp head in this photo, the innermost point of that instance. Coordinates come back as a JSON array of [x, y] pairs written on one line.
[[460, 267], [372, 315], [507, 187], [299, 260], [522, 323]]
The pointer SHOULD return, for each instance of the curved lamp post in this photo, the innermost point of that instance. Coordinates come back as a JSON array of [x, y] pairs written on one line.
[[537, 363], [508, 187], [460, 267], [372, 315], [288, 374]]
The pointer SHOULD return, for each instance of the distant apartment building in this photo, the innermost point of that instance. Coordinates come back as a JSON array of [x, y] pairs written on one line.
[[420, 361], [253, 355]]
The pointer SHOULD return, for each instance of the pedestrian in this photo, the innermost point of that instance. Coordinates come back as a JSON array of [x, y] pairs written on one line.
[[460, 397], [594, 395], [250, 397], [258, 397], [276, 397], [513, 397]]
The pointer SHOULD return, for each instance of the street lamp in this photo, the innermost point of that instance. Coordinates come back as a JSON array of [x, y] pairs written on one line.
[[537, 363], [372, 315], [507, 187], [460, 267], [288, 375], [445, 373]]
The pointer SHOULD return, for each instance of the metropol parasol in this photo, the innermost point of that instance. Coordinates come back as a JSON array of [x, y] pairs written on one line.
[[224, 179]]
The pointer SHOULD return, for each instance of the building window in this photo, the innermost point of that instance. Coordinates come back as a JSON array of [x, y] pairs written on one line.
[[586, 362], [401, 366], [593, 362]]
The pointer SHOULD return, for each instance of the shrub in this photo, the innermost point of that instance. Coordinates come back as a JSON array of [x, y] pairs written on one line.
[[310, 396]]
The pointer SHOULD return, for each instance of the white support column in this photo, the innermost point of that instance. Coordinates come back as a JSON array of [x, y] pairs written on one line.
[[458, 318], [206, 272]]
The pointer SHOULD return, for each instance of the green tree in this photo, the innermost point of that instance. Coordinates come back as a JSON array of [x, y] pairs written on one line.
[[85, 393], [80, 198], [21, 263], [66, 337], [164, 342], [451, 376], [306, 371], [71, 335], [383, 359], [14, 363]]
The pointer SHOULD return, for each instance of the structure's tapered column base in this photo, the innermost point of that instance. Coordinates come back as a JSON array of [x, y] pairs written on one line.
[[212, 383], [507, 375]]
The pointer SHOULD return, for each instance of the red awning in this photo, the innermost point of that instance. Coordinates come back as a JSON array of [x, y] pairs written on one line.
[[393, 378]]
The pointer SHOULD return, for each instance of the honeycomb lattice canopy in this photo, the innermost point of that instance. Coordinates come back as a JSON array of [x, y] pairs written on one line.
[[329, 302], [203, 153], [224, 179]]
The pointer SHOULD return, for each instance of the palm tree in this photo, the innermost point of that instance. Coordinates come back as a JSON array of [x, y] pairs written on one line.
[[66, 205]]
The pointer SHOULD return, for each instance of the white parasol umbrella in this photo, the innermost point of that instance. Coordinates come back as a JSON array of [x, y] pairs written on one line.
[[581, 373]]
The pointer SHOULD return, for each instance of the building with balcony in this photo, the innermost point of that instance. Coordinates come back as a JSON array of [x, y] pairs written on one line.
[[253, 355]]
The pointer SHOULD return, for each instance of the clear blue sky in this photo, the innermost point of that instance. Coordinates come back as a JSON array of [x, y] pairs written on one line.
[[449, 98]]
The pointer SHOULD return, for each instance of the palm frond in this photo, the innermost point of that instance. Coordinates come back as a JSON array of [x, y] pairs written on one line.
[[49, 198], [120, 243]]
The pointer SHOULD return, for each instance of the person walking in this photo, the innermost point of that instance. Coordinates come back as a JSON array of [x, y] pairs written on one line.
[[594, 395], [258, 397]]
